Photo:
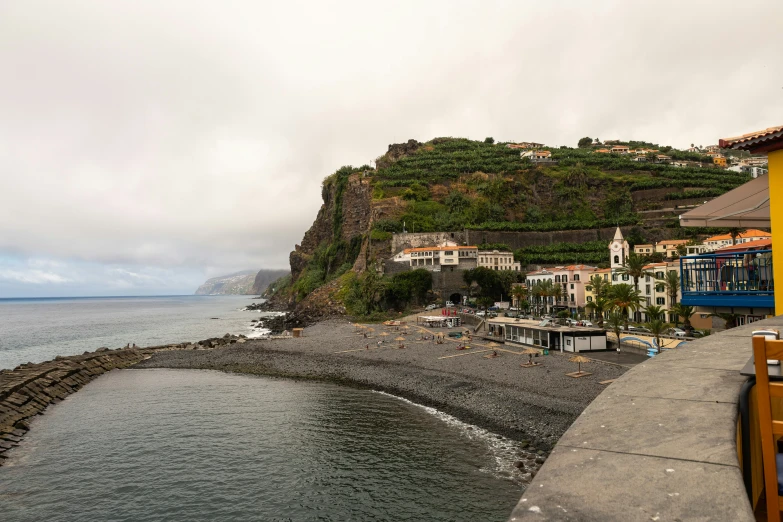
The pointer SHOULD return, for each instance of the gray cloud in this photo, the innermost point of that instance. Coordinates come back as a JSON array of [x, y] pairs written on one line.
[[194, 135]]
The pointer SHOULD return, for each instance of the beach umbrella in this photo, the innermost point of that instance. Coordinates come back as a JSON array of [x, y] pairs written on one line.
[[579, 359], [384, 334], [400, 339], [493, 344], [370, 329], [530, 352]]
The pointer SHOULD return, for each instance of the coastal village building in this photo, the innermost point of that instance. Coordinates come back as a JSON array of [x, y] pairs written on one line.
[[497, 260], [438, 258], [643, 250], [547, 335], [669, 247], [620, 149], [618, 251], [715, 242], [525, 145]]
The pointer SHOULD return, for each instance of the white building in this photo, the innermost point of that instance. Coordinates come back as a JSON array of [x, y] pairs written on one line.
[[441, 257], [618, 251], [497, 260]]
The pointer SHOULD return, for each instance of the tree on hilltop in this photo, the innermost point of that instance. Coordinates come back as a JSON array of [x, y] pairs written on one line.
[[489, 140], [585, 142]]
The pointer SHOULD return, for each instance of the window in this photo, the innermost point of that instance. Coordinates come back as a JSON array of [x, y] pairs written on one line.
[[572, 298], [659, 288], [589, 288], [589, 299], [658, 275], [565, 278], [614, 277], [660, 300], [449, 252], [617, 259], [572, 286], [625, 277], [647, 278], [576, 277], [557, 279], [647, 289]]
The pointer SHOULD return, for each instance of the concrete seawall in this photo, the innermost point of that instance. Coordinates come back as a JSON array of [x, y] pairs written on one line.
[[29, 389]]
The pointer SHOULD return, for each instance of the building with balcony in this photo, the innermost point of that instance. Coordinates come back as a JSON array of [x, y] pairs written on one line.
[[437, 258], [737, 281]]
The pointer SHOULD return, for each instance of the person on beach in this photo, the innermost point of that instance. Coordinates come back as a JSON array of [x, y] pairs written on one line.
[[380, 343], [367, 347]]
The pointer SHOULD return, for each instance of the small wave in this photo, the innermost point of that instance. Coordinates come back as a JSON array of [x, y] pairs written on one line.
[[504, 451]]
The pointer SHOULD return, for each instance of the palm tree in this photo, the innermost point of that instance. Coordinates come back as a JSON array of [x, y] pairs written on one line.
[[556, 291], [600, 286], [626, 298], [672, 283], [654, 312], [518, 293], [734, 233], [615, 323], [656, 327], [685, 312], [731, 319], [598, 306], [634, 267]]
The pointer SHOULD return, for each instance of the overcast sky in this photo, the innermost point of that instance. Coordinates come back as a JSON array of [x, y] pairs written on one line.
[[148, 145]]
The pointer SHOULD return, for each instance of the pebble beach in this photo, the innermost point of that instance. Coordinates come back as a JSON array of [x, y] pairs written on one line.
[[533, 405]]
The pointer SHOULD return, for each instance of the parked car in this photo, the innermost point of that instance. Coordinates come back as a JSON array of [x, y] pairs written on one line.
[[587, 323], [675, 332], [638, 329], [432, 307], [449, 304]]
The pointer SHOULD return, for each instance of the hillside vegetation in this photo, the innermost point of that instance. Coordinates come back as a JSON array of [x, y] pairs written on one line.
[[453, 183]]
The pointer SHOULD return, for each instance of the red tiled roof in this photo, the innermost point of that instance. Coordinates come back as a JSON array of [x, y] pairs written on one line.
[[762, 140], [750, 244], [752, 232]]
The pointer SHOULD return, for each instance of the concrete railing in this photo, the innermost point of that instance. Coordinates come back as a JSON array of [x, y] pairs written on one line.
[[660, 443]]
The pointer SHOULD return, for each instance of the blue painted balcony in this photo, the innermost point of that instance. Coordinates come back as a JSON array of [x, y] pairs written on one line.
[[730, 279]]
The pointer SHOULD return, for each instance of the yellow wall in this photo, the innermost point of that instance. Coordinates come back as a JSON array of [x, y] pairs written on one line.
[[776, 217]]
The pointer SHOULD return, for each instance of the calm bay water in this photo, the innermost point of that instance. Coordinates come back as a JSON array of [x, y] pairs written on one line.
[[37, 330], [188, 445]]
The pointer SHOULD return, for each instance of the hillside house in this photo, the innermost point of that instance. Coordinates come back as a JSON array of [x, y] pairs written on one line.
[[620, 149], [723, 240], [669, 247], [640, 159], [643, 250], [719, 161], [756, 161], [663, 158], [437, 258], [497, 260], [525, 145], [603, 151], [537, 155]]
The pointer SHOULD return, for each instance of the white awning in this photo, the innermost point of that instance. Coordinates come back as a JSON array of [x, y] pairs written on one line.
[[747, 206]]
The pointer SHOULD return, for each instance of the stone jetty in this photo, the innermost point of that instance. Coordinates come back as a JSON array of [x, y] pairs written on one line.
[[29, 389]]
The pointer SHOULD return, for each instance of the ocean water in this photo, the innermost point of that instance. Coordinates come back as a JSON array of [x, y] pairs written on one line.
[[190, 445], [37, 330]]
